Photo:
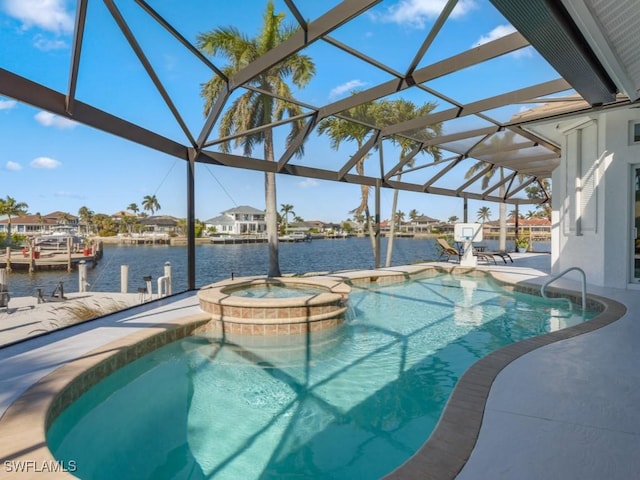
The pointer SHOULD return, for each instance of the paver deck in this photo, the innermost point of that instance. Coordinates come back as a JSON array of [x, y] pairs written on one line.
[[566, 410]]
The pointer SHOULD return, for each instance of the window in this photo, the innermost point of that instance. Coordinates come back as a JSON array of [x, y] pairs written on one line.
[[634, 132]]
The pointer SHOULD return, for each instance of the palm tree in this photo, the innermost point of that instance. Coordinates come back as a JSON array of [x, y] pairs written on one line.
[[413, 216], [340, 129], [286, 209], [134, 208], [398, 111], [498, 143], [484, 214], [150, 203], [11, 208], [540, 190], [86, 216], [182, 226], [40, 222], [252, 108], [65, 218], [452, 219], [359, 219]]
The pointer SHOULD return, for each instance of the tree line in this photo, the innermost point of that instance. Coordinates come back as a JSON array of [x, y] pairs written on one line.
[[94, 223]]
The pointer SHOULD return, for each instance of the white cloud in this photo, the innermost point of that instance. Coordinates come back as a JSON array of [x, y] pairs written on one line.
[[529, 106], [346, 87], [308, 183], [416, 13], [502, 31], [7, 104], [50, 15], [47, 44], [13, 166], [498, 32], [51, 120], [45, 162]]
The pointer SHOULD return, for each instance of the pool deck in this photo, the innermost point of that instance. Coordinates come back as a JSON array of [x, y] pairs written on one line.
[[567, 410]]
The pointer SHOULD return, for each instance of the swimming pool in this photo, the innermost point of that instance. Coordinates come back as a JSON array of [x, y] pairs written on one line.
[[355, 403]]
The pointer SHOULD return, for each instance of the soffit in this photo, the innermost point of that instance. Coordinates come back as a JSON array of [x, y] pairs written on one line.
[[612, 31]]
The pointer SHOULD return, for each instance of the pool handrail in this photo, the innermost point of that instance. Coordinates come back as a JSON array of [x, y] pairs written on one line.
[[561, 274]]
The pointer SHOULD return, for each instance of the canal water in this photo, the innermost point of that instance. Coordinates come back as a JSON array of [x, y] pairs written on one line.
[[218, 262]]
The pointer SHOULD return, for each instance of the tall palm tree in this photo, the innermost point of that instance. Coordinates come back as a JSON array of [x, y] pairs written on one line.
[[484, 214], [11, 208], [398, 111], [150, 203], [452, 219], [253, 109], [340, 129], [286, 209]]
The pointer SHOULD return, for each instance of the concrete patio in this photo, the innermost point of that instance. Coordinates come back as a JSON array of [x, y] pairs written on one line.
[[566, 410]]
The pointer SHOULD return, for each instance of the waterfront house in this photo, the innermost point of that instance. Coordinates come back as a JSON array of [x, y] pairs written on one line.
[[305, 227], [240, 220], [121, 214], [38, 224], [538, 228], [160, 224], [421, 224]]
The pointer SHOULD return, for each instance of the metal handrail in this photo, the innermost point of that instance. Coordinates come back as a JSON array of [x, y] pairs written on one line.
[[561, 274]]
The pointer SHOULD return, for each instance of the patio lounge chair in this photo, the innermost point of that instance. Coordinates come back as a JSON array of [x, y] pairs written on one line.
[[502, 255], [450, 251]]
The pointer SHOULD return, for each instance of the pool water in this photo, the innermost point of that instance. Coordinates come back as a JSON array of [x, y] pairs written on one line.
[[352, 405], [275, 291]]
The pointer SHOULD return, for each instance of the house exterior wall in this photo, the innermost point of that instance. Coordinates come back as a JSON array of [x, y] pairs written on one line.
[[238, 223], [592, 215]]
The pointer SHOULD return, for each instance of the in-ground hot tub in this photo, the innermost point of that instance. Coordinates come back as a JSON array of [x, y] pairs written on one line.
[[275, 306]]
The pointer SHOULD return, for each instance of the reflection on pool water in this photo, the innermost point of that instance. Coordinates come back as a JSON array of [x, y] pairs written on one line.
[[349, 404], [275, 291]]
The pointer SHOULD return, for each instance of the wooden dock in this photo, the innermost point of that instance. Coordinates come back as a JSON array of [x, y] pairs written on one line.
[[34, 261], [231, 240]]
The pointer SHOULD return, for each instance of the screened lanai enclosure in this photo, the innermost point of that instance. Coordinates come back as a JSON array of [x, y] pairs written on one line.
[[471, 101]]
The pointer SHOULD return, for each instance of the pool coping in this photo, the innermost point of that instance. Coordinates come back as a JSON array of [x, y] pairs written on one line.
[[24, 424]]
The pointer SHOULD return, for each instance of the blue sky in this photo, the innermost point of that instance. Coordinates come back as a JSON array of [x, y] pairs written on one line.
[[54, 164]]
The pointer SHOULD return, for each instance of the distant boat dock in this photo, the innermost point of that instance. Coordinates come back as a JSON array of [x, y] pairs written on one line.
[[144, 239], [232, 239], [34, 260]]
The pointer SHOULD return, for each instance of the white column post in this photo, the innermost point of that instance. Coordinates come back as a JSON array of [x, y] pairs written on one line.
[[82, 276], [124, 278], [167, 273]]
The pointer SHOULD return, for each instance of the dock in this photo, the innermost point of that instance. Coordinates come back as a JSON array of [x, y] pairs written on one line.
[[232, 240], [35, 261], [144, 239]]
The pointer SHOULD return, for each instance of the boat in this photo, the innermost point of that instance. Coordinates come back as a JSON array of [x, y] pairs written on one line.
[[295, 237], [58, 239]]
